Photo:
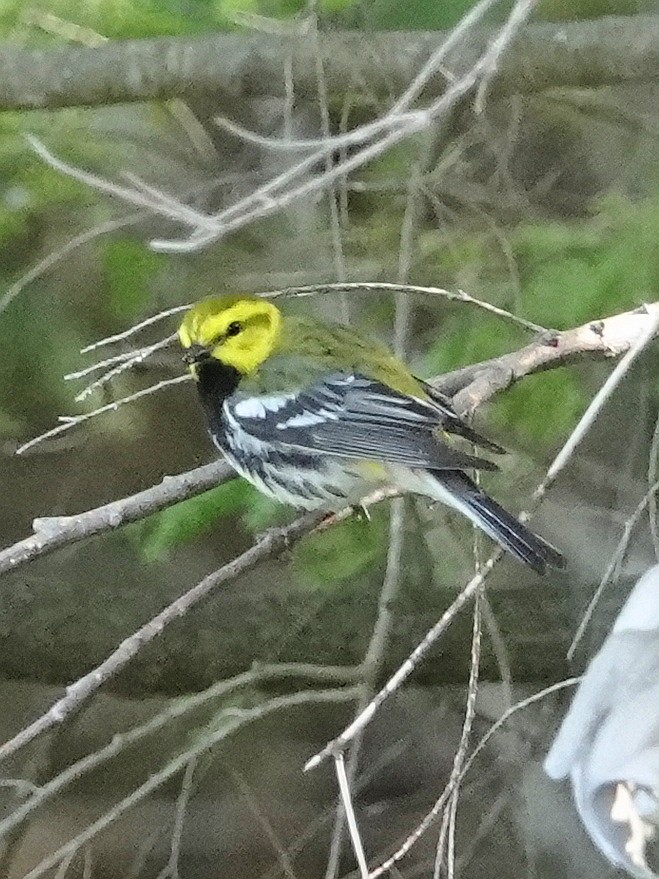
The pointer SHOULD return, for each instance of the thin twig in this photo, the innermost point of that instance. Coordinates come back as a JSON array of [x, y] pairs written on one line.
[[413, 91], [135, 358], [463, 745], [58, 255], [410, 841], [283, 857], [332, 193], [652, 478], [177, 709], [236, 720], [269, 545], [163, 205], [612, 567], [101, 364], [597, 403], [348, 809], [71, 421], [293, 184], [323, 289], [408, 666], [171, 867], [54, 532], [373, 660], [136, 328], [405, 289]]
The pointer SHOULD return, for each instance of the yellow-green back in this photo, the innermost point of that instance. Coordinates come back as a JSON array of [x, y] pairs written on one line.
[[339, 348]]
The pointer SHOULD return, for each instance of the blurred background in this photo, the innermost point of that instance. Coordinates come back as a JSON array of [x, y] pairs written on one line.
[[545, 203]]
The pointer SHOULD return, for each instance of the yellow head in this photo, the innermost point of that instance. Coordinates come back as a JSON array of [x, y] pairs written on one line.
[[239, 331]]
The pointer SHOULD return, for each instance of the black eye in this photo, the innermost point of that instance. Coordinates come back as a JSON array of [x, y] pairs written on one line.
[[233, 329]]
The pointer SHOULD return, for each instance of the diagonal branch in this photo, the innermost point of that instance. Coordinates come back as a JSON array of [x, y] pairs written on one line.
[[470, 387], [270, 545], [52, 533]]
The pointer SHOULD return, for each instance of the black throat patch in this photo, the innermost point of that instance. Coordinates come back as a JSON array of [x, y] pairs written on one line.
[[217, 381]]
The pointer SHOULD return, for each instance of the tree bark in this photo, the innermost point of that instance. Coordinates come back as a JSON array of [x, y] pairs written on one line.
[[606, 51]]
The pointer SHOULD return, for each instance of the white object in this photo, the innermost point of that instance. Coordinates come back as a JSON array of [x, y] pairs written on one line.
[[608, 743]]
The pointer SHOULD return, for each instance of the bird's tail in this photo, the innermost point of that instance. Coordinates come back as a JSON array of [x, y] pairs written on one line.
[[456, 489]]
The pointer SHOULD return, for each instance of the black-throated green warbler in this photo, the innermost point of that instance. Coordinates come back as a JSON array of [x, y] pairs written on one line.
[[317, 415]]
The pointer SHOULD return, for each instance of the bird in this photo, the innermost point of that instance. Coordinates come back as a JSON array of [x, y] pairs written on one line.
[[317, 415]]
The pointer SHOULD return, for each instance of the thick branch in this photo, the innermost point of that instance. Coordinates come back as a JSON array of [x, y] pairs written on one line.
[[53, 533], [469, 387], [605, 51], [596, 340]]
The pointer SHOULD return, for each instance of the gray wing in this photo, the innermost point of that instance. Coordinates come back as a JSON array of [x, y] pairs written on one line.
[[352, 416]]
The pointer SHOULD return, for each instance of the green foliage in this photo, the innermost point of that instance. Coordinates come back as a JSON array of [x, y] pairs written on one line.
[[129, 269], [342, 552], [569, 273], [190, 519], [27, 379], [113, 19], [332, 556], [44, 21], [574, 272], [574, 10], [415, 14]]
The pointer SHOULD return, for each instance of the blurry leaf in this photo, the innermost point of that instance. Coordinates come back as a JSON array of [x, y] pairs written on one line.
[[189, 519], [262, 512], [568, 10], [415, 14], [543, 408], [118, 19], [468, 338], [129, 267], [342, 551]]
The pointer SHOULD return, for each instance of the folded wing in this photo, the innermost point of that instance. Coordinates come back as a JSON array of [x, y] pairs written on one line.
[[353, 416]]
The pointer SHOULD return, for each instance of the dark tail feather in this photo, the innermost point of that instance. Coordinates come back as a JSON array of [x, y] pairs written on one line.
[[499, 524]]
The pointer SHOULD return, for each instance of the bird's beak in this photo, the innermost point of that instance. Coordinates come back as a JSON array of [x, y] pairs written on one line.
[[195, 354]]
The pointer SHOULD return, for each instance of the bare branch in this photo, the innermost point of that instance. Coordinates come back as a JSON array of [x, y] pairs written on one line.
[[613, 565], [124, 365], [136, 328], [236, 719], [472, 386], [351, 819], [171, 868], [600, 398], [604, 51], [294, 183], [269, 545], [408, 666], [70, 421], [259, 674], [61, 252], [52, 533], [611, 337], [436, 810], [405, 289], [455, 778]]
